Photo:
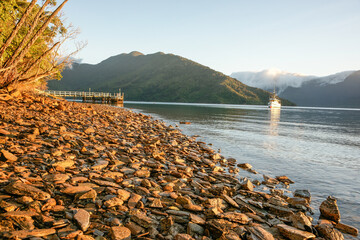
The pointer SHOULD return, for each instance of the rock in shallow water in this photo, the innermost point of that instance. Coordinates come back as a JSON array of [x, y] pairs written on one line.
[[329, 209]]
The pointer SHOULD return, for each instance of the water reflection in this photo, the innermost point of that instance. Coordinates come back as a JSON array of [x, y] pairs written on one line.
[[274, 121]]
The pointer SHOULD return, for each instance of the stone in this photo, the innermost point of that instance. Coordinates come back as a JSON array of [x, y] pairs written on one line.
[[23, 189], [7, 156], [82, 218], [89, 130], [329, 210], [197, 219], [134, 199], [99, 165], [85, 237], [134, 228], [278, 210], [247, 185], [303, 194], [113, 202], [183, 236], [300, 221], [64, 164], [56, 177], [106, 183], [72, 190], [256, 232], [92, 194], [216, 203], [284, 179], [156, 203], [123, 194], [194, 229], [120, 233], [230, 201], [327, 231], [294, 233], [22, 234], [236, 217], [142, 173], [141, 219], [347, 229], [6, 226], [23, 219], [244, 165]]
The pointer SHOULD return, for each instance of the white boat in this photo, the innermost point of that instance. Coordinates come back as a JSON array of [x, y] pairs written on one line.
[[274, 101]]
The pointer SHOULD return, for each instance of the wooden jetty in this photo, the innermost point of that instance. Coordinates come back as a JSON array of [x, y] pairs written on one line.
[[103, 97]]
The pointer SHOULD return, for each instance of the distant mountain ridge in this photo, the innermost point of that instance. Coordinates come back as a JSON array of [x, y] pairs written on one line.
[[159, 77], [320, 93], [336, 90]]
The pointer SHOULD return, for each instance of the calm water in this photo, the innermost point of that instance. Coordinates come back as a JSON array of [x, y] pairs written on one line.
[[317, 148]]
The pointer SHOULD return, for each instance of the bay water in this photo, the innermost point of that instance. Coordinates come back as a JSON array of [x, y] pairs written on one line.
[[318, 148]]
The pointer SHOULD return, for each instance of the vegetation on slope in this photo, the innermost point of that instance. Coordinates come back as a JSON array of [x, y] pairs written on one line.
[[159, 77], [30, 37]]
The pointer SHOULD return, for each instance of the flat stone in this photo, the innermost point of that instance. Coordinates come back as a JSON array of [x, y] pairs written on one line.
[[92, 194], [123, 194], [23, 189], [22, 234], [197, 219], [64, 164], [278, 210], [183, 236], [22, 218], [329, 210], [347, 229], [82, 218], [300, 221], [106, 183], [120, 233], [193, 228], [85, 237], [99, 165], [134, 199], [72, 190], [142, 173], [259, 233], [244, 165], [3, 132], [141, 219], [56, 177], [230, 201], [294, 233], [7, 156], [113, 202], [134, 228], [236, 217]]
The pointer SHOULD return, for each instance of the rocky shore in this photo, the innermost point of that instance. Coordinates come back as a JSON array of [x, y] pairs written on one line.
[[79, 171]]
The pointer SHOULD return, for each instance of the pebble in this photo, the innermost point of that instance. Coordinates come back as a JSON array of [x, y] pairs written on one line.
[[80, 171]]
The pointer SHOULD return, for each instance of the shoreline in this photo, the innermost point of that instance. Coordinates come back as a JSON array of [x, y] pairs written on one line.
[[96, 170]]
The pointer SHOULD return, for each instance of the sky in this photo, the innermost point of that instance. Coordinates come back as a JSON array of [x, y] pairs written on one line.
[[311, 37]]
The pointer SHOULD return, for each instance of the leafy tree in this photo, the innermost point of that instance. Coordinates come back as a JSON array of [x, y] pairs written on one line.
[[30, 40]]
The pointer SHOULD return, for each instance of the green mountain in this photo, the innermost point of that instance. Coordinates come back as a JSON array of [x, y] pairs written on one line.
[[159, 77]]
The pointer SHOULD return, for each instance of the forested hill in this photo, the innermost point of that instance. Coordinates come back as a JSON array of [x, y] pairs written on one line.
[[159, 77]]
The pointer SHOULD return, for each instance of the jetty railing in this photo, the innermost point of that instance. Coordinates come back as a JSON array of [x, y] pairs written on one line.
[[104, 97]]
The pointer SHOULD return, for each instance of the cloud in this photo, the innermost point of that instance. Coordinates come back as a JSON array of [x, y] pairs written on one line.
[[268, 79]]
